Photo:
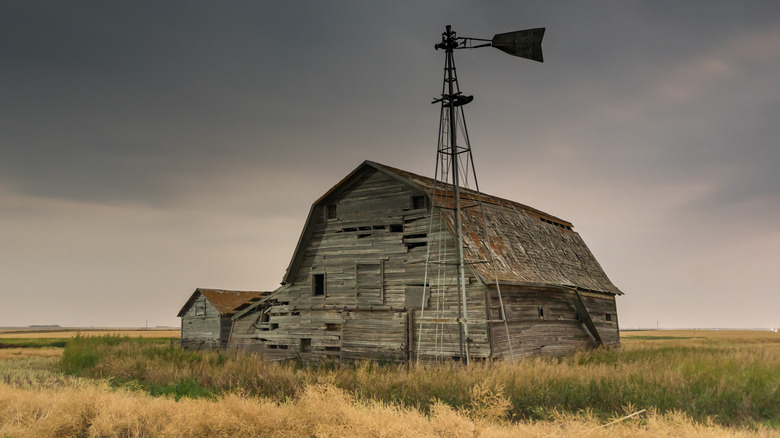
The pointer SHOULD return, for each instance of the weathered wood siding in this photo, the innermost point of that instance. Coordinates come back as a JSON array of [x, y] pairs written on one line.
[[545, 322], [372, 257], [201, 325]]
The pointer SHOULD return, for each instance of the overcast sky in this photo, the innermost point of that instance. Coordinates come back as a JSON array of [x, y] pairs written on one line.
[[148, 148]]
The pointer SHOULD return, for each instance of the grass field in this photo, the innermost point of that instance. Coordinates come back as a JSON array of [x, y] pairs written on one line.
[[685, 383]]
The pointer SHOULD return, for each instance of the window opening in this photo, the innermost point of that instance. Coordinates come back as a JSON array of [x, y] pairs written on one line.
[[318, 285], [419, 202], [305, 344], [332, 327], [396, 228], [415, 240], [541, 313], [331, 212]]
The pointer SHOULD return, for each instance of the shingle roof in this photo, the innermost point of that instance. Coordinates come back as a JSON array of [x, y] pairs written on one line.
[[529, 245], [227, 302]]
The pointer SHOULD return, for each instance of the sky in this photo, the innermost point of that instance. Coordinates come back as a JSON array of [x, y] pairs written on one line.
[[149, 148]]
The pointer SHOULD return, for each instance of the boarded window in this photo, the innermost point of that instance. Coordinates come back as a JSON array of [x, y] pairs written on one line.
[[318, 285], [369, 283], [414, 296]]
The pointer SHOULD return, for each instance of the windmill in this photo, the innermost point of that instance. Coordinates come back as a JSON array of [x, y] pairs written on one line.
[[455, 170]]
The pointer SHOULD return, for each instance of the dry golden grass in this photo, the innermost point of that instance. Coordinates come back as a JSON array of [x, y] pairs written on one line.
[[36, 400], [63, 334], [18, 353], [322, 411]]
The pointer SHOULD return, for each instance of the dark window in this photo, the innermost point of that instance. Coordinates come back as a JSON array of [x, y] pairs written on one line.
[[332, 327], [418, 202], [330, 211], [318, 285], [541, 313], [305, 344], [396, 228], [415, 240], [608, 317]]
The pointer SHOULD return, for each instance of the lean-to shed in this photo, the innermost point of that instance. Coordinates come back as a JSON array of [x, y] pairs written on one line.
[[206, 316], [357, 285]]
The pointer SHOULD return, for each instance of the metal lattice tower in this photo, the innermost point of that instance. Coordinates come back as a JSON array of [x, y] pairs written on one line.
[[455, 170]]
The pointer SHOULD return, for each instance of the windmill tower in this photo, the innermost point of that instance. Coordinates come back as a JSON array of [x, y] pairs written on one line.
[[446, 266]]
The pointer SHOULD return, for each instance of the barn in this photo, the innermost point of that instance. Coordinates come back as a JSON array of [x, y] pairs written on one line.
[[206, 316], [364, 281]]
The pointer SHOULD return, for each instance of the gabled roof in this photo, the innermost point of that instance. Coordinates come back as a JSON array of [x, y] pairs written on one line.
[[529, 246], [227, 302]]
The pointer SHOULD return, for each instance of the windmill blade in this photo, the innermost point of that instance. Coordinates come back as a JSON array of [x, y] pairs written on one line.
[[523, 43]]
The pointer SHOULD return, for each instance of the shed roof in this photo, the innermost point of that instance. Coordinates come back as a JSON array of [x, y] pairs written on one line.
[[227, 302], [529, 246]]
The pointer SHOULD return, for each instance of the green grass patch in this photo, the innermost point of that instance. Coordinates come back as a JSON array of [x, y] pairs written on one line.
[[33, 342], [83, 353], [185, 387]]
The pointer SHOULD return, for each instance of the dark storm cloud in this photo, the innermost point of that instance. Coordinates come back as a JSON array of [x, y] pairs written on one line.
[[125, 127], [109, 99]]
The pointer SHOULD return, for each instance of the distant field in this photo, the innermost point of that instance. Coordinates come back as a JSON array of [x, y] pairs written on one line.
[[731, 336], [69, 333]]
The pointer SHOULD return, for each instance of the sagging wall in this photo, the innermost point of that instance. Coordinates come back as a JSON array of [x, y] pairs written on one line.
[[357, 291], [201, 325], [545, 321]]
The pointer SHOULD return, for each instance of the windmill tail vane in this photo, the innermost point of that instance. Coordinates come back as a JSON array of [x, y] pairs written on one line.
[[521, 43]]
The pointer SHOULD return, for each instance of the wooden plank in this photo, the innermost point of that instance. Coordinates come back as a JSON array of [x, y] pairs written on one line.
[[585, 315]]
